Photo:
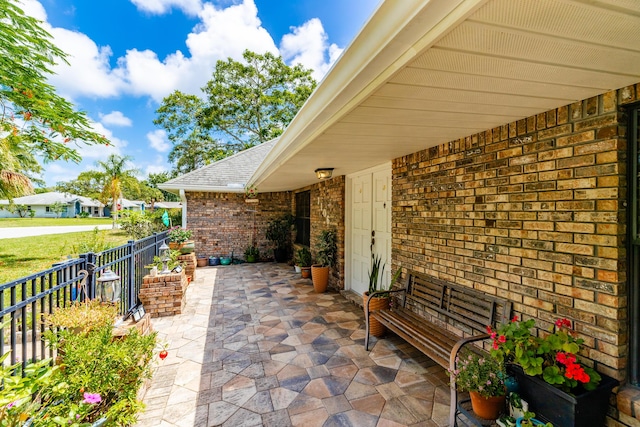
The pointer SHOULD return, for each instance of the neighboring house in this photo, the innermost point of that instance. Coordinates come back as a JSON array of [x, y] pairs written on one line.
[[126, 205], [42, 204], [489, 143]]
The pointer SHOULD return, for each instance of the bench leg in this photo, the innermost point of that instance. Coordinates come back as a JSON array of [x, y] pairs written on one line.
[[453, 407], [366, 338]]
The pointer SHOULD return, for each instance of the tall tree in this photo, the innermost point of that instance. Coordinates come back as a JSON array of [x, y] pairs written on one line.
[[247, 103], [158, 178], [193, 145], [34, 120], [115, 175], [253, 101]]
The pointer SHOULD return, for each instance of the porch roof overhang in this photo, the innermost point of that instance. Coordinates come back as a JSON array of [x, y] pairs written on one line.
[[424, 72]]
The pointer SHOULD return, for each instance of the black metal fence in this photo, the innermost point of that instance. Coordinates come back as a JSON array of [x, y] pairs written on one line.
[[24, 301]]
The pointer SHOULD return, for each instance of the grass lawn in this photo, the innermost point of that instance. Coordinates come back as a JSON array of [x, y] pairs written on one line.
[[41, 222], [27, 255]]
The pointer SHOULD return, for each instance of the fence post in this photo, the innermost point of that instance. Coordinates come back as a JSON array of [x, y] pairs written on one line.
[[90, 266], [132, 297]]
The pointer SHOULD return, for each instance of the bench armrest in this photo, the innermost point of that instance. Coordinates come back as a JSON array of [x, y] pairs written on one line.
[[461, 343], [373, 295]]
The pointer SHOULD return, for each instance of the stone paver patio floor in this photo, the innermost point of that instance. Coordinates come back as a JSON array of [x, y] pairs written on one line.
[[255, 345]]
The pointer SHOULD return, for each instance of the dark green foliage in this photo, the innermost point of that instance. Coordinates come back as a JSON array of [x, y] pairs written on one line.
[[327, 248]]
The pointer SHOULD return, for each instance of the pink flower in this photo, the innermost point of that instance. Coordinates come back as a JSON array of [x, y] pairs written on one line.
[[502, 339], [515, 319], [92, 398]]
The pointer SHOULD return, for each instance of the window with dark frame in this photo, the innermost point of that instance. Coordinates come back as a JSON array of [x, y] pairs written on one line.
[[634, 243], [303, 218]]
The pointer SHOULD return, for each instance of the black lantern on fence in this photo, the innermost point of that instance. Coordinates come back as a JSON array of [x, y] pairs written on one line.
[[108, 288]]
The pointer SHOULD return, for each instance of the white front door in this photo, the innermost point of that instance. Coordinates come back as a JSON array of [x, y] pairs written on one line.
[[370, 229]]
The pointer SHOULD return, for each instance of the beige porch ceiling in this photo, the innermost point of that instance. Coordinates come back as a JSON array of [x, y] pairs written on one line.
[[424, 72]]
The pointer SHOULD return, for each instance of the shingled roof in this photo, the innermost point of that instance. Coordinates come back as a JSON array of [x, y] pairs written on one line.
[[230, 174]]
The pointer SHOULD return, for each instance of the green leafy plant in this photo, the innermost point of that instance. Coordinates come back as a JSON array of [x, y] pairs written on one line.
[[95, 242], [252, 251], [172, 263], [482, 374], [529, 421], [137, 225], [279, 231], [376, 276], [179, 235], [21, 394], [99, 370], [303, 257], [551, 357], [327, 248]]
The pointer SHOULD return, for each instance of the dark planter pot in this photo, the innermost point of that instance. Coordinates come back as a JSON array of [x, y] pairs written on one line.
[[280, 255], [551, 404], [214, 260]]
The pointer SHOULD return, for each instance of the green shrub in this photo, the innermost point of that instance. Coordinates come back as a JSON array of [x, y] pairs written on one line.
[[98, 364], [138, 225], [93, 243]]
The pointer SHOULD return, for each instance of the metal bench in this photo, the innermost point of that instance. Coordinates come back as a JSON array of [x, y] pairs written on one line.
[[439, 318]]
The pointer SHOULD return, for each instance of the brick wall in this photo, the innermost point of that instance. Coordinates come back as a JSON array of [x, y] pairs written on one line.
[[531, 211], [327, 213], [225, 222]]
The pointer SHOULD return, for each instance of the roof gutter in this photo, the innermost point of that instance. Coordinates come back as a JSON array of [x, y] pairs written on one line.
[[216, 189], [365, 66]]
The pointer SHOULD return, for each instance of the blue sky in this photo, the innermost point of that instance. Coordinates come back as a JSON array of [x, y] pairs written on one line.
[[126, 55]]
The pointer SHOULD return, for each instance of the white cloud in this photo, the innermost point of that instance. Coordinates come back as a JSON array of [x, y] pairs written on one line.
[[115, 118], [154, 169], [307, 45], [190, 7], [158, 140], [222, 32], [34, 8]]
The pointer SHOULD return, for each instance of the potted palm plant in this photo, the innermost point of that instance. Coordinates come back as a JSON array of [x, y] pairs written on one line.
[[378, 293], [326, 253]]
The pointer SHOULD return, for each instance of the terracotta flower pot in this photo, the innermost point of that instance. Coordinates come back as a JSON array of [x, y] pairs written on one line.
[[202, 262], [488, 408], [320, 278], [376, 328], [305, 272]]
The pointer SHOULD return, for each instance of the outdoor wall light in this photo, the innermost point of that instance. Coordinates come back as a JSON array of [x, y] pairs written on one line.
[[324, 173], [164, 251], [108, 289]]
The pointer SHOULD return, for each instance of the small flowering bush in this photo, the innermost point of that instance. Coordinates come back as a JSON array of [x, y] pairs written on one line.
[[482, 374], [552, 358]]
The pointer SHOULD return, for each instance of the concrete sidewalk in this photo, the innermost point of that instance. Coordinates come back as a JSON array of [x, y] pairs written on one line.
[[15, 232], [256, 346]]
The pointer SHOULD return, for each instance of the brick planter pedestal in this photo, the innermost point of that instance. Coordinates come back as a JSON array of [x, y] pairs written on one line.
[[163, 295], [189, 262]]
